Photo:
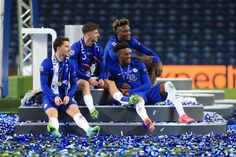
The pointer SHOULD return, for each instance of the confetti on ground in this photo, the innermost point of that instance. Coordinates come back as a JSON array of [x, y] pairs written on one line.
[[12, 144]]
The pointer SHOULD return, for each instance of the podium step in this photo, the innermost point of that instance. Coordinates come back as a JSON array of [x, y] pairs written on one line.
[[131, 128], [180, 83], [219, 94], [224, 110], [100, 96], [204, 99], [116, 113], [227, 101]]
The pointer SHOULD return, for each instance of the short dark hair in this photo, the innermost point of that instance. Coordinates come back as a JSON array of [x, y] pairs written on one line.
[[88, 27], [120, 22], [119, 46], [58, 42]]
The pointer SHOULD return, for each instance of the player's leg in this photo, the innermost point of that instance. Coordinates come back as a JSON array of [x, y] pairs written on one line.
[[52, 113], [74, 112], [141, 111], [169, 88], [115, 93], [88, 99]]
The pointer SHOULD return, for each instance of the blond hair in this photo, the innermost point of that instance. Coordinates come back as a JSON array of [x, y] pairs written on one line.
[[120, 22]]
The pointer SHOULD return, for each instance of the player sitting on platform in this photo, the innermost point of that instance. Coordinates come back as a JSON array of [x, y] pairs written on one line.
[[121, 27], [87, 56], [58, 83], [132, 78]]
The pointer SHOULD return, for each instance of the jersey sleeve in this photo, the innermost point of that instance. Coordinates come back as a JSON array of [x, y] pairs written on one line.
[[73, 81], [110, 56], [144, 78], [102, 74], [44, 79], [75, 53], [111, 74], [145, 50]]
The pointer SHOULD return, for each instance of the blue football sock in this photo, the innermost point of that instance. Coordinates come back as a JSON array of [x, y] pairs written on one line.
[[124, 100]]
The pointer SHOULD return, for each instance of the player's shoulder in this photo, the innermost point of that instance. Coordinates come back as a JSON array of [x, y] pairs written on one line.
[[47, 61], [112, 41], [75, 44], [98, 45], [113, 67], [46, 65], [136, 62]]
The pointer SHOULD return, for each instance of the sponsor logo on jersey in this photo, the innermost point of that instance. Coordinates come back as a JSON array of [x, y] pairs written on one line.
[[132, 78]]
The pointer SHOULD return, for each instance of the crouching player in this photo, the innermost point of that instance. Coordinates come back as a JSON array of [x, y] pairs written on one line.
[[132, 79], [58, 83]]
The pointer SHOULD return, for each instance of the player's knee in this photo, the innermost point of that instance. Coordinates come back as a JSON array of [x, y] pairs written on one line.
[[109, 83], [73, 110], [83, 84], [169, 86]]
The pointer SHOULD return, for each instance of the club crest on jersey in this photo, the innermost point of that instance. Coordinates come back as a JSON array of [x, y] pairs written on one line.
[[135, 70], [72, 52], [113, 43]]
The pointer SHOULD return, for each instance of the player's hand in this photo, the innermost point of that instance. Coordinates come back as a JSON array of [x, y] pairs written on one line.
[[92, 81], [158, 69], [126, 86], [58, 101], [101, 83], [93, 113], [125, 92], [66, 100], [145, 58]]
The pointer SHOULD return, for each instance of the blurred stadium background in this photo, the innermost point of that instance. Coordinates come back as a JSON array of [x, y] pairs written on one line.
[[182, 32]]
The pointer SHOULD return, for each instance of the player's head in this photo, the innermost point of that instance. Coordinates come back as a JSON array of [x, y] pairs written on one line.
[[90, 31], [122, 29], [61, 45], [123, 53]]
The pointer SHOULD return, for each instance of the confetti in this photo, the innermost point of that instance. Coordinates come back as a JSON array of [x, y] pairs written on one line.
[[12, 144]]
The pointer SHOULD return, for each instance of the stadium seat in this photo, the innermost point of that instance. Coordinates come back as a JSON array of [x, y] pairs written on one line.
[[199, 27]]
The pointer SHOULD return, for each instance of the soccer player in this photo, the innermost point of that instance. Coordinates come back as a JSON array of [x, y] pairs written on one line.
[[123, 33], [132, 78], [87, 56], [58, 83]]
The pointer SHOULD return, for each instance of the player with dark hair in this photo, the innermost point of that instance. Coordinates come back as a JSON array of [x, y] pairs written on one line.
[[87, 56], [123, 33], [132, 78], [58, 83]]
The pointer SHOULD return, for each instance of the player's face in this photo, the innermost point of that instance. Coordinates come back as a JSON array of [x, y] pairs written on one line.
[[124, 56], [64, 49], [123, 32], [94, 35]]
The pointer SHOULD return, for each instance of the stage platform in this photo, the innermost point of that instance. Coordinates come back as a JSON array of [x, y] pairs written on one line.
[[116, 113], [117, 120], [129, 128], [219, 94]]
